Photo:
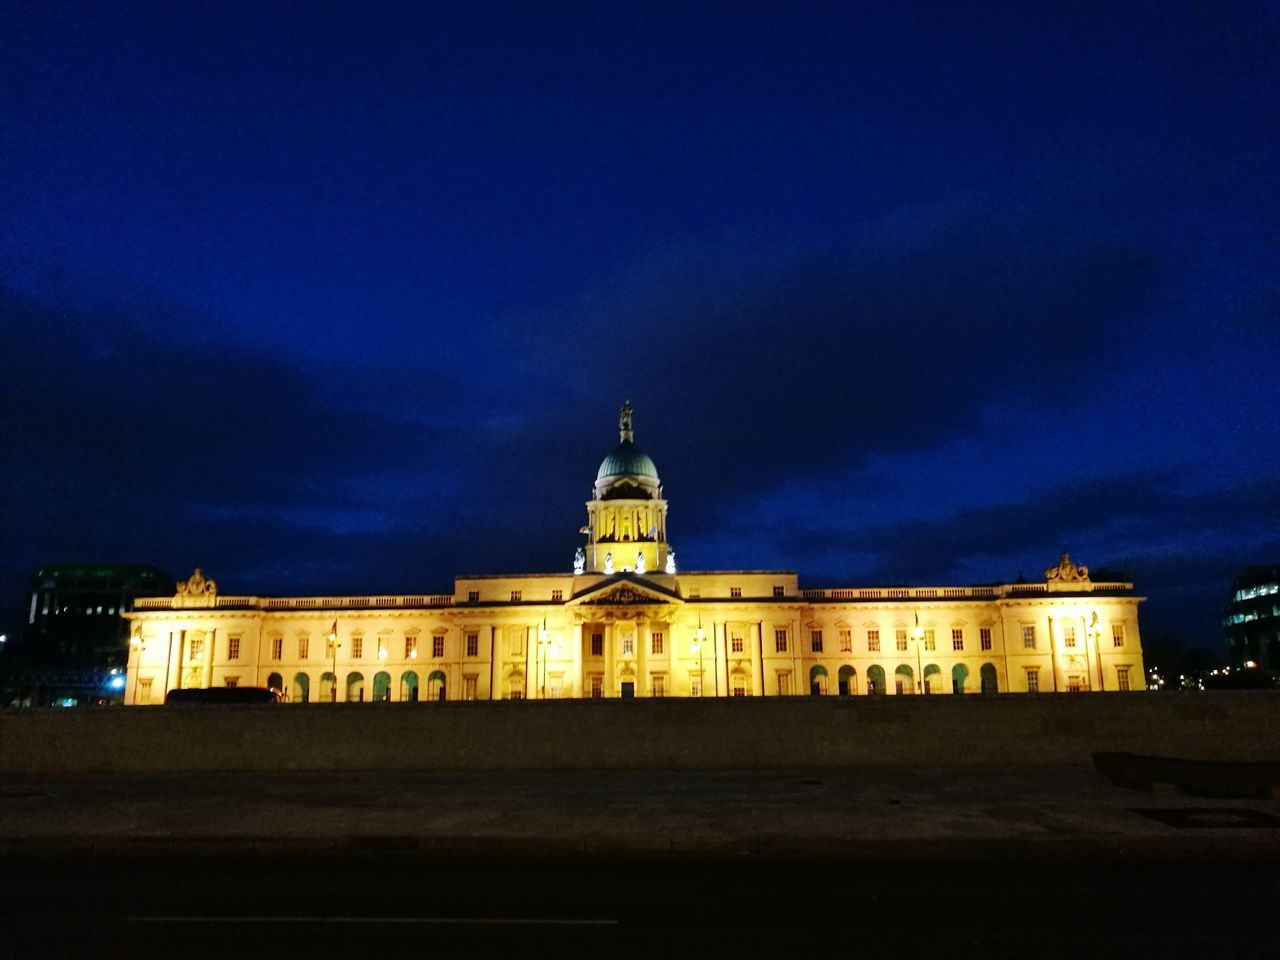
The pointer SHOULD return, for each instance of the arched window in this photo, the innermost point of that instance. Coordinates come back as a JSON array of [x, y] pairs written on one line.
[[328, 688], [382, 687], [932, 678], [436, 685], [875, 680], [301, 688], [990, 683], [847, 681], [904, 679], [959, 674], [275, 682], [818, 681], [409, 687], [355, 687]]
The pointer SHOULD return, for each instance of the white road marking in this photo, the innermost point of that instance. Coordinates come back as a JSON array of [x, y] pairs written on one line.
[[476, 921]]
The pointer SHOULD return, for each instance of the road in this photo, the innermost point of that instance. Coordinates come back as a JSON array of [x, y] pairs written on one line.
[[388, 903]]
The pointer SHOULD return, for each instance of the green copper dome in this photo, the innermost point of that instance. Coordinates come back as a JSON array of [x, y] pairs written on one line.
[[627, 460]]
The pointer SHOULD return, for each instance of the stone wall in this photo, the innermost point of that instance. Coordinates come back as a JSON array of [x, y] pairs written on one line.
[[640, 734]]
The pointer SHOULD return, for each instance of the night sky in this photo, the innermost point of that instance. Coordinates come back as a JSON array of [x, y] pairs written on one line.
[[346, 299]]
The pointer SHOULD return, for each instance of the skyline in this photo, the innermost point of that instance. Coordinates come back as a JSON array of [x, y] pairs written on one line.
[[335, 304]]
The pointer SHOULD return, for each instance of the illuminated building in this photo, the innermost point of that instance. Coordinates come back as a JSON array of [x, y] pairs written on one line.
[[624, 622], [1252, 619]]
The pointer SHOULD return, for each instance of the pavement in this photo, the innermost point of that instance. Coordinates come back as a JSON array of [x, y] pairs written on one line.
[[1055, 812]]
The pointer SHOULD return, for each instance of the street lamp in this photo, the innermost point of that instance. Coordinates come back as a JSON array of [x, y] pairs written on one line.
[[696, 647], [333, 652], [918, 635], [137, 643]]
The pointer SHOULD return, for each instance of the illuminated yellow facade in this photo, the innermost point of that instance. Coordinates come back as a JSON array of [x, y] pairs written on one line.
[[626, 623]]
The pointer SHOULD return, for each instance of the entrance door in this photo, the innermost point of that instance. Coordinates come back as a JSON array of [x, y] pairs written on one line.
[[628, 689]]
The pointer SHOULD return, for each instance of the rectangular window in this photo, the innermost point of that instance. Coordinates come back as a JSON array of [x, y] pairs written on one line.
[[930, 642], [469, 684], [303, 645], [695, 686], [900, 640], [357, 648], [984, 638], [1033, 679], [1068, 634], [197, 649], [1122, 678], [557, 596], [410, 647], [1117, 634], [873, 641], [144, 691], [780, 641], [473, 644], [515, 643], [1028, 637], [515, 596], [277, 648], [473, 596], [735, 592], [597, 644], [628, 645], [437, 647], [555, 686], [1073, 683], [233, 648], [659, 685], [815, 641], [735, 641], [739, 686], [656, 641], [846, 641], [597, 686], [957, 638], [232, 681], [779, 592], [784, 684]]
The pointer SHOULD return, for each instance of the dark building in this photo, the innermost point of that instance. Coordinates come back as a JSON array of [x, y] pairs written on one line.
[[75, 635], [1252, 619]]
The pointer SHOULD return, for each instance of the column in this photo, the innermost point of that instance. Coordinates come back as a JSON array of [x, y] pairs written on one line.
[[642, 657], [610, 659], [757, 660], [532, 677], [210, 647], [576, 679]]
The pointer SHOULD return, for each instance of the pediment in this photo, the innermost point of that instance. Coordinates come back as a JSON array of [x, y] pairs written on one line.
[[625, 590]]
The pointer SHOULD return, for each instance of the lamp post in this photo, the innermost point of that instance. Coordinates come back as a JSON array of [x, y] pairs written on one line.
[[542, 656], [918, 635], [139, 645], [696, 647], [333, 652]]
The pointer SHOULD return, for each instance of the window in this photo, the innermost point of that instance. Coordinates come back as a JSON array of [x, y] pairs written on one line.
[[900, 639], [735, 592], [473, 644], [515, 688], [473, 596], [410, 647], [144, 691], [628, 645], [695, 594], [303, 644], [846, 641], [1073, 683], [984, 638], [1033, 679], [357, 647], [779, 592], [656, 641], [695, 686], [1068, 634], [469, 683], [197, 648], [815, 641], [515, 596], [555, 684], [784, 683], [735, 641], [1122, 678], [597, 686], [658, 683], [739, 686], [1028, 637], [930, 642], [277, 648], [232, 681], [780, 641], [233, 648], [597, 644], [957, 638], [437, 646], [557, 596], [1117, 636], [873, 641], [515, 642]]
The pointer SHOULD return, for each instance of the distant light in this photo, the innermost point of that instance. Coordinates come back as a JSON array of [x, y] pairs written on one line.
[[67, 702], [1250, 664], [116, 682]]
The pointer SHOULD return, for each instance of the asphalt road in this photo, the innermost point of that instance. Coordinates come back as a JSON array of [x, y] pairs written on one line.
[[376, 903]]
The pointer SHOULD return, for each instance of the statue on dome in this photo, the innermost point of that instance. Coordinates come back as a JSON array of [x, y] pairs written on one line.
[[640, 562], [624, 422], [608, 564], [579, 562], [671, 561]]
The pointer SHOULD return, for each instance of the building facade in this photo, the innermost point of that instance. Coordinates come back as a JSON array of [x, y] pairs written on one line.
[[626, 623], [1252, 619]]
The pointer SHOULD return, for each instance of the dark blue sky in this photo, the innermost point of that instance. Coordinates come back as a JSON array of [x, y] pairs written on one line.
[[345, 298]]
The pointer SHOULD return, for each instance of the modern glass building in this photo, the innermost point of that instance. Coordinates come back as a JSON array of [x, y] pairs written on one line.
[[1252, 618]]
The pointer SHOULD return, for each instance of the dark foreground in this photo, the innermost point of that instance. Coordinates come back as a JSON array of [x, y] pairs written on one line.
[[376, 903]]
